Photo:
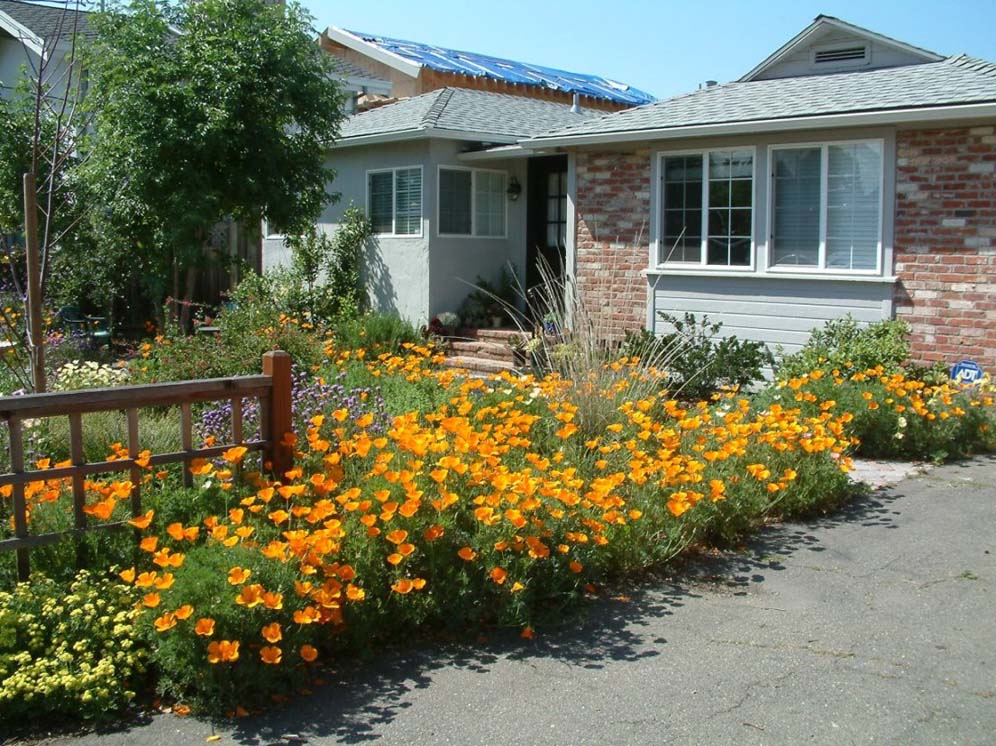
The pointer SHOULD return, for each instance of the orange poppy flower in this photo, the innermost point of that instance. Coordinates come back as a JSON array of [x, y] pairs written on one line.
[[270, 655], [397, 536], [223, 651], [204, 627], [165, 622], [466, 554], [271, 633], [184, 612], [234, 455], [499, 575], [143, 521], [308, 653], [151, 600], [403, 586], [238, 575]]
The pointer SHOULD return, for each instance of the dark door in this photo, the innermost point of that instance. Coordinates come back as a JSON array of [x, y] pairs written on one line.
[[546, 216]]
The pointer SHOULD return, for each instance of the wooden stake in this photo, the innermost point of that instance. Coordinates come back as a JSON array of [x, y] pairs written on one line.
[[36, 337]]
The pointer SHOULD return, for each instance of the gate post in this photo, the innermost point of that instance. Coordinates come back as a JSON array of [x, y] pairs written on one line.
[[277, 365]]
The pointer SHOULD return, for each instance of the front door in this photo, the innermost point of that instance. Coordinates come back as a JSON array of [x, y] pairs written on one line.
[[546, 223]]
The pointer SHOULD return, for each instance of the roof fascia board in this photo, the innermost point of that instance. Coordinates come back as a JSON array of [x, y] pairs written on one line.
[[799, 39], [395, 61], [22, 34], [890, 116], [423, 133], [493, 154]]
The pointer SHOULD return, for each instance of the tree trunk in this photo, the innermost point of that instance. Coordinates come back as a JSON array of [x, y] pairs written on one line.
[[188, 296]]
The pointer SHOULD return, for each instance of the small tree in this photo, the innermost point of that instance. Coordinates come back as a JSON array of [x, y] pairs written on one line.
[[42, 128], [329, 267], [204, 111]]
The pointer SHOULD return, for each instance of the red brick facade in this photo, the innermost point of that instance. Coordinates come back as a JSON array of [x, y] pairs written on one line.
[[613, 238], [945, 242]]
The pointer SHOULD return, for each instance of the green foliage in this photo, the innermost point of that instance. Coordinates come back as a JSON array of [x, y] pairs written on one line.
[[488, 300], [255, 321], [328, 268], [375, 333], [73, 653], [224, 119], [845, 343], [703, 362]]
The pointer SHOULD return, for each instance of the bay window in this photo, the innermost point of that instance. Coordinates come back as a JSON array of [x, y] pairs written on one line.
[[472, 202], [827, 206], [707, 208]]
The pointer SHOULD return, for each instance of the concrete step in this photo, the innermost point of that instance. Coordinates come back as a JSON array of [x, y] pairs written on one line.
[[477, 364], [486, 350], [496, 336]]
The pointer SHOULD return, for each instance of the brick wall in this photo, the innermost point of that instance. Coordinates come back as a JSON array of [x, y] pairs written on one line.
[[613, 235], [945, 242]]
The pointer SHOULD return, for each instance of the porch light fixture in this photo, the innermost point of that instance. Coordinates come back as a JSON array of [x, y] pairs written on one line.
[[514, 189]]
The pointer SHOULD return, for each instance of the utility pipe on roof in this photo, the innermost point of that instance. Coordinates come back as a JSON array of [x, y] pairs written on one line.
[[576, 103]]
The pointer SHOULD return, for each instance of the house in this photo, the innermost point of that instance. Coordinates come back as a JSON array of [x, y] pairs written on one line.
[[437, 167], [848, 172], [443, 217], [30, 33], [413, 68]]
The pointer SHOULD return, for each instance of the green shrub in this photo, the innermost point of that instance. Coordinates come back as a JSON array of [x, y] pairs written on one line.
[[75, 653], [705, 362], [375, 333], [847, 344]]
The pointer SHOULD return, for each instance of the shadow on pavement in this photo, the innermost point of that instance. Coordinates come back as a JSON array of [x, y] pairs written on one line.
[[357, 702]]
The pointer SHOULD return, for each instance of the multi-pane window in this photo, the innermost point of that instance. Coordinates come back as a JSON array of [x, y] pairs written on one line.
[[827, 206], [707, 202], [556, 209], [395, 201], [472, 202]]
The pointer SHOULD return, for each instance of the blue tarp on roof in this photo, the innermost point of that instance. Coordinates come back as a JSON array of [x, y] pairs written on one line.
[[480, 65]]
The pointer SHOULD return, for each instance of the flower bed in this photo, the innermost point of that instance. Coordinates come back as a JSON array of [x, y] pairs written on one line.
[[493, 502]]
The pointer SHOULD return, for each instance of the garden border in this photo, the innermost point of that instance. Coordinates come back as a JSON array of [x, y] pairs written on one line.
[[272, 388]]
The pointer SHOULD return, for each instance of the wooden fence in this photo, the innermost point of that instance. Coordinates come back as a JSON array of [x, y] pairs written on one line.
[[272, 389]]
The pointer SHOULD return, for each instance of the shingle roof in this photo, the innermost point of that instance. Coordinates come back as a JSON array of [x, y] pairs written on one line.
[[46, 21], [349, 69], [459, 109], [510, 71], [955, 80]]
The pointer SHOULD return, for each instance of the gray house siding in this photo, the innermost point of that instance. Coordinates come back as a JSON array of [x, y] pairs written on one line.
[[776, 311], [395, 268], [417, 277], [800, 61], [456, 262]]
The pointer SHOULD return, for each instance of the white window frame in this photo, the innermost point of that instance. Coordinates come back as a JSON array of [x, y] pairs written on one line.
[[267, 236], [820, 268], [394, 205], [702, 263], [473, 201]]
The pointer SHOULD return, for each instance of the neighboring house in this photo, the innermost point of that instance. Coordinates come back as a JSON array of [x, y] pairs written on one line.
[[846, 173], [413, 68], [442, 217], [29, 33]]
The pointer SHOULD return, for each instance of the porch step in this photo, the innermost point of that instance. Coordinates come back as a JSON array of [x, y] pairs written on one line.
[[496, 336], [477, 364], [480, 349]]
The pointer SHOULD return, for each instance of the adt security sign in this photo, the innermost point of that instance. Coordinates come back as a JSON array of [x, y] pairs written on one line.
[[967, 371]]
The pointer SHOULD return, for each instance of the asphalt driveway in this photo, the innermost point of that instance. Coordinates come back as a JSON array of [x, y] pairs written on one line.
[[877, 625]]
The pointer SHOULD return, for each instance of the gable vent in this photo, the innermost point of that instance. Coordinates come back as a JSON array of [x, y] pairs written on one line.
[[842, 54]]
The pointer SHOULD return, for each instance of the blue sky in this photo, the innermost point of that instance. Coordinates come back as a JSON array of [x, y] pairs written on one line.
[[662, 46]]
